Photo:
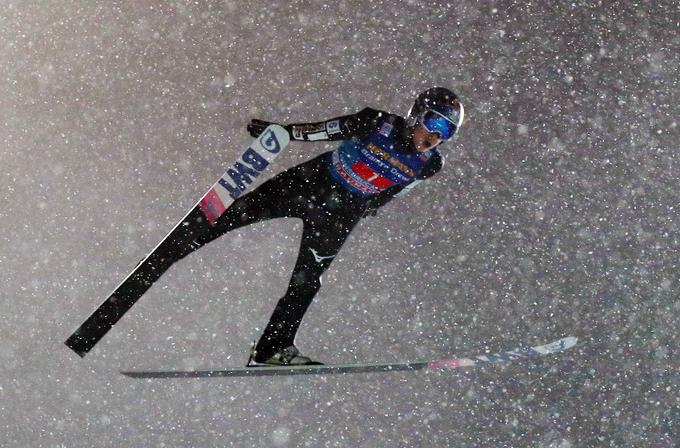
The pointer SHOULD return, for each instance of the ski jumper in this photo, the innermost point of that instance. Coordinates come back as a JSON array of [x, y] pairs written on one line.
[[330, 193]]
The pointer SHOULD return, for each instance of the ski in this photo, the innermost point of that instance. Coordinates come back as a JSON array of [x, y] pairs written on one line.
[[172, 247], [440, 364]]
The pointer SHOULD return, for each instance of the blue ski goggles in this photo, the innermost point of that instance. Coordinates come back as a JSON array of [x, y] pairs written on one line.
[[436, 122]]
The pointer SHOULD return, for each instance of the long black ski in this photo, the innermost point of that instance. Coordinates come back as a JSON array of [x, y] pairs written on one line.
[[173, 247], [453, 363]]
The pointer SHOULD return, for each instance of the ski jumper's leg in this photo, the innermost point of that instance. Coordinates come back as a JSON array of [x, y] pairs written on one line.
[[273, 199], [284, 195], [324, 232]]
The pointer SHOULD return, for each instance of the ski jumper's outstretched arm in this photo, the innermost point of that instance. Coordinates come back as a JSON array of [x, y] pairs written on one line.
[[356, 125]]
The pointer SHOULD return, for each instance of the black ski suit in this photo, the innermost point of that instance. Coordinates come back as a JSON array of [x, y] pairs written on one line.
[[331, 195]]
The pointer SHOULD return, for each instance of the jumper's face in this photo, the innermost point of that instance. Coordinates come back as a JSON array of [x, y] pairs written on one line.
[[424, 139]]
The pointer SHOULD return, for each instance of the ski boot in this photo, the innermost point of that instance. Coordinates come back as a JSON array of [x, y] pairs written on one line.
[[289, 356]]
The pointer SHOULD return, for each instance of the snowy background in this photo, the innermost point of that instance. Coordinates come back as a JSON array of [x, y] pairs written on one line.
[[556, 214]]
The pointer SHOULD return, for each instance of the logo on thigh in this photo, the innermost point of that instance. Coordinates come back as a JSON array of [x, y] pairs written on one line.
[[321, 258]]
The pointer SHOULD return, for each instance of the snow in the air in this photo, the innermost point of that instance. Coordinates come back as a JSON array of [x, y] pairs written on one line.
[[556, 214]]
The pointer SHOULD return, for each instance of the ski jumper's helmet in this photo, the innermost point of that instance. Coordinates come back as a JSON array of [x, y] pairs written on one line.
[[439, 110]]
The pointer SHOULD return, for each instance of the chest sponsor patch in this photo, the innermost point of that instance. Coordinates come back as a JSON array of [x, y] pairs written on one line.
[[386, 129]]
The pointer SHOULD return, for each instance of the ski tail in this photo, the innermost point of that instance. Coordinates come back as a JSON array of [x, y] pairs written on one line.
[[172, 248], [178, 243]]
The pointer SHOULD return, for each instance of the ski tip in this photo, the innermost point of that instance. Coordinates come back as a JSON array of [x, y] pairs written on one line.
[[571, 340], [561, 344]]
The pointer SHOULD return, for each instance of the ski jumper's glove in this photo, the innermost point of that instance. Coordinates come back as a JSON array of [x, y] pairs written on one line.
[[256, 127]]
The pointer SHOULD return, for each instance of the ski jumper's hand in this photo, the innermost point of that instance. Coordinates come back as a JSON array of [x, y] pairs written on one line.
[[256, 127]]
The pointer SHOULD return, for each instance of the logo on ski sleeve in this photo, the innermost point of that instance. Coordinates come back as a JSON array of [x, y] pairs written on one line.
[[321, 258], [310, 132], [333, 127]]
